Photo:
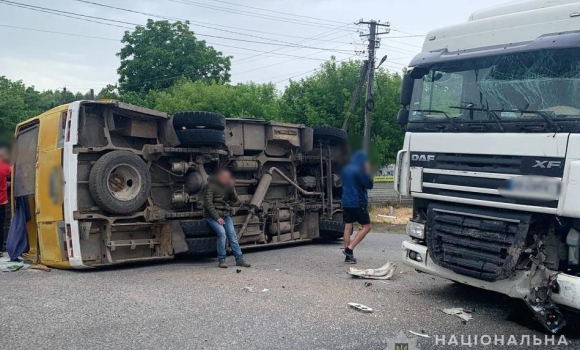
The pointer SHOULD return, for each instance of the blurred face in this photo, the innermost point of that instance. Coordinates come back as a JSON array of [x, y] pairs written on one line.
[[224, 177], [4, 156]]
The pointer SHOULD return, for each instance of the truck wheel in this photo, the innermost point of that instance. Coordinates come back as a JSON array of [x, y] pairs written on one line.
[[331, 230], [330, 135], [120, 182], [201, 137], [193, 120], [196, 228]]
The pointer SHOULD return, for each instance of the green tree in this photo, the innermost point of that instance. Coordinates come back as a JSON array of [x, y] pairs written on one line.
[[251, 100], [158, 54], [108, 92], [324, 99]]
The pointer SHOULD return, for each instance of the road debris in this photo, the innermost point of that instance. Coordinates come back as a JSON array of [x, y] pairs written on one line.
[[420, 334], [360, 307], [39, 267], [265, 290], [368, 284], [249, 289], [384, 273], [238, 270], [459, 312]]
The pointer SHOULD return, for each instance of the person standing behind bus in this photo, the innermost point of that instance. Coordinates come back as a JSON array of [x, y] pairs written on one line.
[[5, 173], [356, 181], [220, 195]]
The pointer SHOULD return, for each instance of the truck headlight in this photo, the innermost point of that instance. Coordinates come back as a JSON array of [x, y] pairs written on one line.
[[416, 230]]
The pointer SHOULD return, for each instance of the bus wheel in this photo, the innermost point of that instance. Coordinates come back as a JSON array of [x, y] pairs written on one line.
[[330, 135], [120, 182]]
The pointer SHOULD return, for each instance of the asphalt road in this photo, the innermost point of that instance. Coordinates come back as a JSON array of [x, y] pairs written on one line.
[[194, 305]]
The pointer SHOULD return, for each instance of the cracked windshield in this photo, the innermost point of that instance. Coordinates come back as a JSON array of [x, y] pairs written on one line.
[[533, 85]]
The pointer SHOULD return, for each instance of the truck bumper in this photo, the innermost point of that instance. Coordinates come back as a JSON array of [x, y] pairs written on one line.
[[516, 286]]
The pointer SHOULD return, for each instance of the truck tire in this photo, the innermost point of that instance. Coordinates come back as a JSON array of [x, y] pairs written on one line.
[[199, 246], [331, 230], [330, 135], [199, 119], [196, 228], [201, 137], [120, 182]]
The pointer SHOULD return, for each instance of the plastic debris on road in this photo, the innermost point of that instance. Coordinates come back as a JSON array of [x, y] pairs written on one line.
[[249, 289], [459, 312], [360, 307], [384, 273], [420, 334]]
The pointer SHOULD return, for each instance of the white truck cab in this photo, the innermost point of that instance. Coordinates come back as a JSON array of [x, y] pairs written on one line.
[[492, 154]]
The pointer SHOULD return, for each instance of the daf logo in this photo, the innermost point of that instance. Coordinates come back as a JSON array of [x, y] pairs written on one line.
[[545, 164], [423, 157]]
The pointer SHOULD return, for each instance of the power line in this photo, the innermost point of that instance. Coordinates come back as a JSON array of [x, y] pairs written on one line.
[[60, 33], [303, 73], [280, 55], [200, 23], [284, 44], [251, 14], [279, 12], [316, 39], [54, 12], [275, 64], [197, 23]]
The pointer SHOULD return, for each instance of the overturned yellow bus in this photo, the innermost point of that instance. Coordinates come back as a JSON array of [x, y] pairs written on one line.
[[108, 182]]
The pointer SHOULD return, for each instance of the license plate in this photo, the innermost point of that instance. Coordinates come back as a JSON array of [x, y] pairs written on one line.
[[533, 187]]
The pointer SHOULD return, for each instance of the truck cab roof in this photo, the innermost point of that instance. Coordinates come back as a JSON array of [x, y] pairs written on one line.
[[511, 24]]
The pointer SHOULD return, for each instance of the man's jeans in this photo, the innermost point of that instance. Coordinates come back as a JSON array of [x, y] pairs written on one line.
[[223, 232]]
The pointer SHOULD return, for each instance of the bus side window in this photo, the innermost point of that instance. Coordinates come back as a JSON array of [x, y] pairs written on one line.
[[62, 129]]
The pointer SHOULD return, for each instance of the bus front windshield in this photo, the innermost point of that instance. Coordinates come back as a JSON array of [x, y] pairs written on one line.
[[532, 85]]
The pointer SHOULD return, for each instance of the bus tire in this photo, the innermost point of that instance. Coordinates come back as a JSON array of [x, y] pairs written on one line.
[[120, 182], [200, 246], [201, 137], [331, 230], [199, 119], [329, 135], [196, 228]]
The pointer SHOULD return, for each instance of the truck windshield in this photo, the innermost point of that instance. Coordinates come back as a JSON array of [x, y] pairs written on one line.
[[540, 85]]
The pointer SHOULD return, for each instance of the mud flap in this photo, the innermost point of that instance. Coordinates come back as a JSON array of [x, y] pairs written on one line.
[[178, 238], [542, 283]]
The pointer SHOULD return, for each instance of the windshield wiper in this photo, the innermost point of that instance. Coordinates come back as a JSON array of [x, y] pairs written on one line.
[[547, 117], [441, 112], [544, 115], [489, 113]]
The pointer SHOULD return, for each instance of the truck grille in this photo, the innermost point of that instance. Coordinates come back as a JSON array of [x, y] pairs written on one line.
[[484, 244], [480, 177]]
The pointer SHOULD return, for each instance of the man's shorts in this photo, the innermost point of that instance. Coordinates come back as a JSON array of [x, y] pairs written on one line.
[[360, 215]]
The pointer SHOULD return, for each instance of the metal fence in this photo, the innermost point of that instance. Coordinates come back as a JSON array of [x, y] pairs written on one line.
[[383, 192]]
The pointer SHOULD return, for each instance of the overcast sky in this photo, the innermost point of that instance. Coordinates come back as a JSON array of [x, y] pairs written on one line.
[[51, 61]]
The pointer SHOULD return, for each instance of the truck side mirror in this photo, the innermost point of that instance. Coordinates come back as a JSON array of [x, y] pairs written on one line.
[[407, 89], [403, 117]]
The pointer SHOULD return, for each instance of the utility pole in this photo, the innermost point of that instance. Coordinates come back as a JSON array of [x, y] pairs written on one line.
[[356, 94], [374, 43]]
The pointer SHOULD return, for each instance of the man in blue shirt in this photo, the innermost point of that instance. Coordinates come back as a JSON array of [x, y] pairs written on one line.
[[356, 181]]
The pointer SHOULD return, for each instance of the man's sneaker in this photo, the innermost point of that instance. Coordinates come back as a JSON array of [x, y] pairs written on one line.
[[350, 260], [222, 264], [242, 263], [349, 257]]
